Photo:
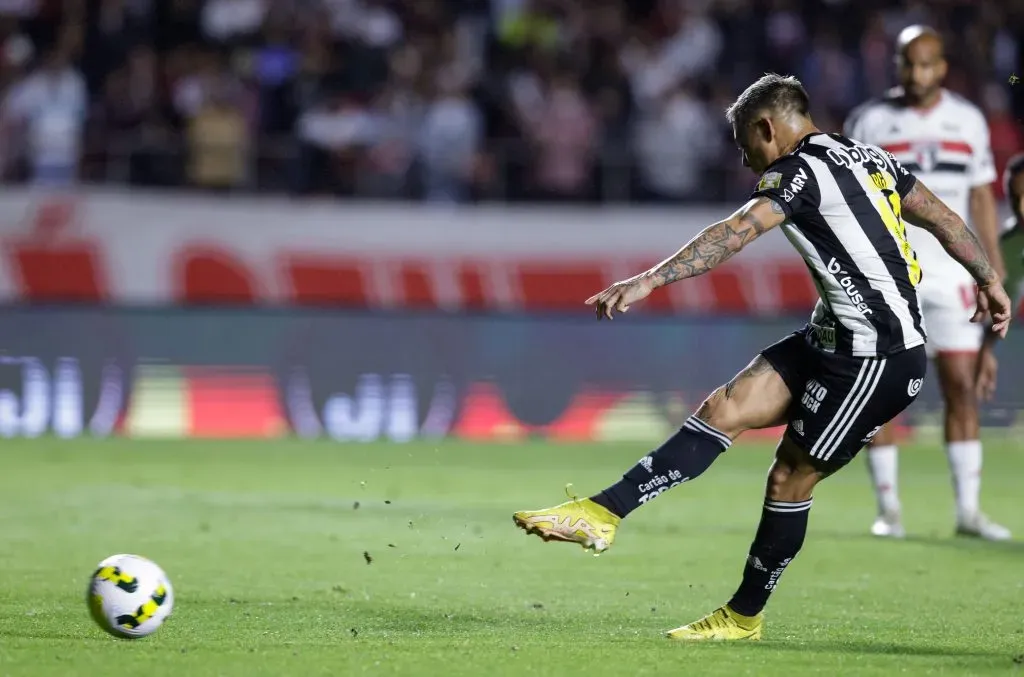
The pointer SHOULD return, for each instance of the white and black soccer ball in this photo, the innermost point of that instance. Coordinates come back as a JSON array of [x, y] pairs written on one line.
[[130, 596]]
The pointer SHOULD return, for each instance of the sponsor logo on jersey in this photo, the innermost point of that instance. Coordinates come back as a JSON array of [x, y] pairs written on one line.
[[795, 186], [845, 281], [858, 155], [823, 337]]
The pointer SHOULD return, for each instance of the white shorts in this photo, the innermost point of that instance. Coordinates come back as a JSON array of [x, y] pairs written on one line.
[[947, 304]]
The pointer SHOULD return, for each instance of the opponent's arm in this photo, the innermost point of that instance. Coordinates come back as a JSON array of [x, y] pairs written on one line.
[[923, 209], [718, 242], [985, 217], [714, 245]]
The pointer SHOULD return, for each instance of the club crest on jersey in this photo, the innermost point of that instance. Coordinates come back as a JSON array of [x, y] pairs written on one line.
[[769, 181], [926, 155]]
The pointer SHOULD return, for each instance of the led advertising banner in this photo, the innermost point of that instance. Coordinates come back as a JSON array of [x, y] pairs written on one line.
[[365, 377]]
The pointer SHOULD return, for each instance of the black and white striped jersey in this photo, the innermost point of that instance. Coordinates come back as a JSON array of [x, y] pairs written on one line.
[[842, 200]]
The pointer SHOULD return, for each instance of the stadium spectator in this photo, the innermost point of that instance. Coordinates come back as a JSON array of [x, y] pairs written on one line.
[[674, 142], [561, 99], [49, 108]]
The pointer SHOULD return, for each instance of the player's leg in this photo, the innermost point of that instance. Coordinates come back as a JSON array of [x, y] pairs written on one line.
[[757, 397], [883, 468], [849, 399], [963, 442], [955, 342], [779, 537]]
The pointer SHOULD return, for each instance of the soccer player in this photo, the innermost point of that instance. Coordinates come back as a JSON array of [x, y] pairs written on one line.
[[857, 364], [1013, 187], [943, 140]]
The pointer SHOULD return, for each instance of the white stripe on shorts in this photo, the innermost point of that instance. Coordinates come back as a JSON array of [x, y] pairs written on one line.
[[855, 413], [851, 396]]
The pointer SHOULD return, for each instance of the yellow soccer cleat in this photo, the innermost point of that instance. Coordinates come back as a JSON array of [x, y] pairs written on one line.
[[720, 625], [577, 521]]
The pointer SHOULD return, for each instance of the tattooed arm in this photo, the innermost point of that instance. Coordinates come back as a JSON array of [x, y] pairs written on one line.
[[714, 245], [923, 209], [717, 243]]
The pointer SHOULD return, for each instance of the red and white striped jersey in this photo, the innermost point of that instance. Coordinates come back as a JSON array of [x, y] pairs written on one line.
[[947, 147]]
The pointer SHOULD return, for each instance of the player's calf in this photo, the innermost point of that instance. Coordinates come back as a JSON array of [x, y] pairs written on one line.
[[756, 398], [956, 377], [782, 529]]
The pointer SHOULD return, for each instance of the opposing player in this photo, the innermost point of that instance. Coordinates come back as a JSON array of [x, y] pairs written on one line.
[[942, 139], [1010, 241], [1013, 188], [857, 364]]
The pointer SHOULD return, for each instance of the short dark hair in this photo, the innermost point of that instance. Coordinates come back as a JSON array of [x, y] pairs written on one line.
[[771, 93]]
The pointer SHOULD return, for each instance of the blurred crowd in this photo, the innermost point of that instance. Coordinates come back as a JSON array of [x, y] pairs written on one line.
[[451, 100]]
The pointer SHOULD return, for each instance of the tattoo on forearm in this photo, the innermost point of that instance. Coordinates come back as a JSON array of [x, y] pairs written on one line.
[[716, 244], [923, 209]]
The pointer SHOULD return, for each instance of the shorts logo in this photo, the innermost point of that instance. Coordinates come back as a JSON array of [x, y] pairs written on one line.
[[798, 426], [814, 395], [914, 387], [871, 435]]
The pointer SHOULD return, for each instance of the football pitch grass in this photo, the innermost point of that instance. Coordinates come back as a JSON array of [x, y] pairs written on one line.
[[293, 558]]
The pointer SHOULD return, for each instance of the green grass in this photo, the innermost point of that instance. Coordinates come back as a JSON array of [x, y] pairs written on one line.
[[265, 550]]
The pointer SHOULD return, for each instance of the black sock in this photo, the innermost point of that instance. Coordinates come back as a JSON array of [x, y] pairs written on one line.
[[681, 457], [777, 541]]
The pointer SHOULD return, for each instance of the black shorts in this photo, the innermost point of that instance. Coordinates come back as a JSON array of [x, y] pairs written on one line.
[[840, 402]]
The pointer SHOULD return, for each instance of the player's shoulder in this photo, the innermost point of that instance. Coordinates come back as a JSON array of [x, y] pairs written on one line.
[[961, 108], [959, 103]]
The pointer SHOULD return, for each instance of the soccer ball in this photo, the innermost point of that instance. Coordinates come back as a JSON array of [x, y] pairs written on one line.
[[129, 596]]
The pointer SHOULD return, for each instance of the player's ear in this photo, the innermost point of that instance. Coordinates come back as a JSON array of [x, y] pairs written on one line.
[[764, 129]]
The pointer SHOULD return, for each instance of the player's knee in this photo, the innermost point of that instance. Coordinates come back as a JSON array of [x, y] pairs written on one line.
[[778, 481], [720, 412], [959, 394], [788, 482]]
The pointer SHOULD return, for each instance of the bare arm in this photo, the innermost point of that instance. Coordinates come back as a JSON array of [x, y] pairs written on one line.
[[985, 217], [714, 245], [718, 242], [924, 210]]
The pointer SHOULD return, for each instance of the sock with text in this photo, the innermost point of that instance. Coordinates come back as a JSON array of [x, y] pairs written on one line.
[[779, 537], [682, 457]]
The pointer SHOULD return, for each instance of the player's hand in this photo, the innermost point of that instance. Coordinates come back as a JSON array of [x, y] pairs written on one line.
[[993, 301], [620, 296], [985, 372]]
